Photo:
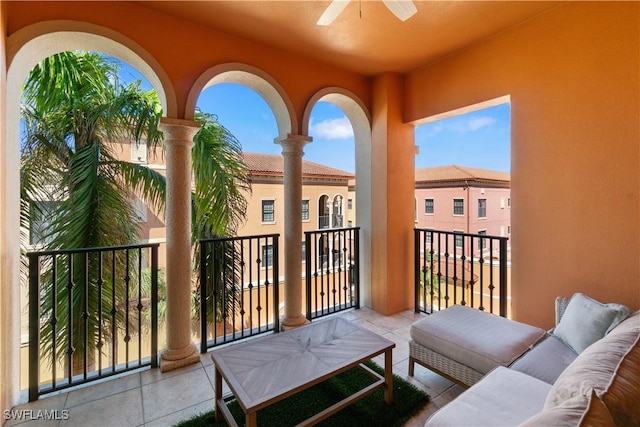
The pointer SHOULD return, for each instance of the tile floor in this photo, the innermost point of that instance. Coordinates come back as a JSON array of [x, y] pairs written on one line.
[[149, 398]]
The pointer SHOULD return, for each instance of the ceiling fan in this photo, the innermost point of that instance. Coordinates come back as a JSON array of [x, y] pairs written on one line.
[[402, 9]]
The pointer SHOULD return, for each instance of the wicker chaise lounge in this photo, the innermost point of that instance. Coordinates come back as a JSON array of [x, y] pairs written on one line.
[[464, 344]]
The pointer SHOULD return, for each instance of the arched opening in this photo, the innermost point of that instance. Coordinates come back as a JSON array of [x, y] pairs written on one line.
[[255, 79], [31, 46], [252, 106], [359, 118]]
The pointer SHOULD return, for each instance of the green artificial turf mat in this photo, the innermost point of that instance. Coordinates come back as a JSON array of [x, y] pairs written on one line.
[[369, 411]]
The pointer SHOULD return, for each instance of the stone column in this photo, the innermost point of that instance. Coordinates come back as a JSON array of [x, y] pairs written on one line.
[[178, 138], [292, 152]]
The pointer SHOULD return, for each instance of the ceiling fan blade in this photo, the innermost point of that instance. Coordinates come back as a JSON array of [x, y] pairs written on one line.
[[332, 12], [403, 9]]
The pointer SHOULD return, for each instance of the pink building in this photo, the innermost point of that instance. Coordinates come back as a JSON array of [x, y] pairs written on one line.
[[461, 199]]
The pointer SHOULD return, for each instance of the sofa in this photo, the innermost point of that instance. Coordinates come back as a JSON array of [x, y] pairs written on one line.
[[585, 371]]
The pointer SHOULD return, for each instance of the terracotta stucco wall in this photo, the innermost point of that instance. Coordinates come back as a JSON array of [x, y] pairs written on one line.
[[186, 50], [573, 77], [392, 199]]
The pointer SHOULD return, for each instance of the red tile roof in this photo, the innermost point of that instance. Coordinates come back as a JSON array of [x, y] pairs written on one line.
[[454, 173], [269, 164]]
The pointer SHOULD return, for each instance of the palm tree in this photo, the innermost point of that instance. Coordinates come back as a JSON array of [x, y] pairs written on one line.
[[217, 158], [74, 107]]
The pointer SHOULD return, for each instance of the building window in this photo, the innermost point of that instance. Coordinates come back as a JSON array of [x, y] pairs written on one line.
[[482, 242], [305, 210], [304, 252], [42, 215], [482, 208], [428, 206], [458, 239], [268, 211], [138, 152], [139, 210], [428, 237], [267, 256], [349, 223], [458, 206], [350, 204]]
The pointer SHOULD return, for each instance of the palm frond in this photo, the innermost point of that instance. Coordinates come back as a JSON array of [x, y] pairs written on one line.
[[66, 78], [221, 180], [150, 184], [218, 206]]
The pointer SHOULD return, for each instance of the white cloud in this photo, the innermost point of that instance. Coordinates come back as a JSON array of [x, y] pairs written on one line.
[[435, 129], [332, 129], [480, 122]]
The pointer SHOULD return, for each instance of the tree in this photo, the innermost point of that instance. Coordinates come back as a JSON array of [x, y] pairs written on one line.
[[74, 107], [221, 180]]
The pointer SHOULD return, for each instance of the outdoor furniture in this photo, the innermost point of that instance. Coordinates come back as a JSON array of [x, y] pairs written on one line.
[[463, 344], [583, 372], [264, 370]]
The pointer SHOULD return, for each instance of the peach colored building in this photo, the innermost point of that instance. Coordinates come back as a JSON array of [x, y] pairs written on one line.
[[461, 199], [571, 71], [324, 198]]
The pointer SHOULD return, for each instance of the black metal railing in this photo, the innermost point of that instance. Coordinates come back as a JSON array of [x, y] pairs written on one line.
[[93, 313], [332, 275], [460, 268], [239, 288]]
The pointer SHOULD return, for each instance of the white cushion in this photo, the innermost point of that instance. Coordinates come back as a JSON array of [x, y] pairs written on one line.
[[611, 367], [503, 397], [546, 360], [475, 338], [586, 320]]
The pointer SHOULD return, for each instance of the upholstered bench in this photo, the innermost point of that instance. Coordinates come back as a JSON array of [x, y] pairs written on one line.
[[463, 344]]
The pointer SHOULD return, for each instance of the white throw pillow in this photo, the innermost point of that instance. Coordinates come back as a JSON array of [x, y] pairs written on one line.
[[586, 320]]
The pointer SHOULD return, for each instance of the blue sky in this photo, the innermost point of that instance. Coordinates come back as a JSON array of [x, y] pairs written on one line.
[[479, 139]]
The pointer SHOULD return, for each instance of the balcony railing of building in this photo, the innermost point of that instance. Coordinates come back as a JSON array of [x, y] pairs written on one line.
[[93, 313], [239, 288], [460, 268], [332, 271], [330, 221], [323, 222]]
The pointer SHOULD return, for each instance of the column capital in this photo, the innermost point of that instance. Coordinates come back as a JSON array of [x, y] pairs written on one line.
[[293, 144], [178, 130]]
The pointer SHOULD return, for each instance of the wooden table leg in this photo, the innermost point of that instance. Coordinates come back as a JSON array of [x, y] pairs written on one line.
[[251, 419], [218, 392], [388, 376]]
